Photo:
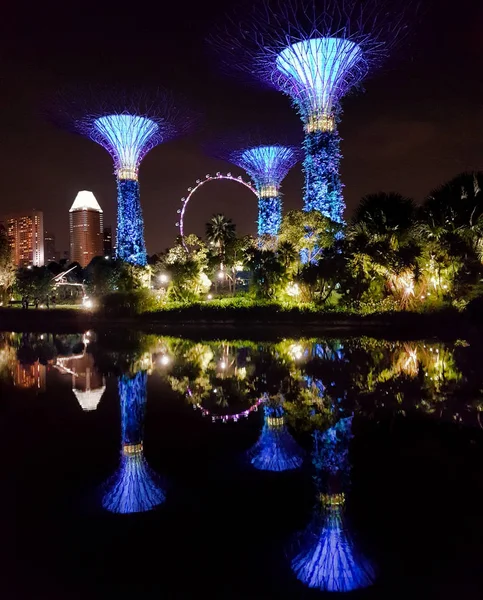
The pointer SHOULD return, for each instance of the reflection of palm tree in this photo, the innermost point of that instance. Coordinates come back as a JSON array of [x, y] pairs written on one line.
[[221, 398]]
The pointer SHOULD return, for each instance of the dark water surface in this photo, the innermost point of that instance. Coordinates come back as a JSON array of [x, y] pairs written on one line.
[[162, 467]]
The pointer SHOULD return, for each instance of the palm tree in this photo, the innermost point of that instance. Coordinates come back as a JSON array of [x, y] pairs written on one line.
[[457, 203], [287, 253], [267, 270], [385, 214], [220, 231], [450, 227]]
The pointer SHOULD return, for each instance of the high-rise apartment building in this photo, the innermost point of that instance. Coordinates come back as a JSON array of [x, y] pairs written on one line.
[[25, 233], [108, 242], [50, 252], [86, 229]]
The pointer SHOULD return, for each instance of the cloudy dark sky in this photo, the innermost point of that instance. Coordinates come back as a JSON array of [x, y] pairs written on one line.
[[419, 122]]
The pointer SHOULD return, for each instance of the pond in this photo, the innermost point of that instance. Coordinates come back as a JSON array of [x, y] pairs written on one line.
[[176, 468]]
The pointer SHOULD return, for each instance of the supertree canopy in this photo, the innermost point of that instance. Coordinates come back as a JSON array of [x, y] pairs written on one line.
[[267, 165], [128, 126], [134, 487], [327, 557], [276, 449], [314, 51]]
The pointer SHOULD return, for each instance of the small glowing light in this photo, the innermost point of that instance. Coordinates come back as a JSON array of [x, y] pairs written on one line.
[[163, 278], [221, 275], [165, 360], [215, 390], [210, 296], [293, 289], [222, 364], [42, 337], [87, 302], [106, 257]]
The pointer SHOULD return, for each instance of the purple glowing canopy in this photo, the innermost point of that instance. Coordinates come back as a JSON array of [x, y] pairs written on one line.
[[315, 51], [266, 165], [128, 124], [317, 73]]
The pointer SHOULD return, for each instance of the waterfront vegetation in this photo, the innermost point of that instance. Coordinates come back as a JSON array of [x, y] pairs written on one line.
[[393, 256]]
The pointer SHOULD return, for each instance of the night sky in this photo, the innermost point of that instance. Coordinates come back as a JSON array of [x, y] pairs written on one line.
[[419, 122]]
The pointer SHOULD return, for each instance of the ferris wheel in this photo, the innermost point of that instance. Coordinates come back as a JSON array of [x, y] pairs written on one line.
[[199, 183]]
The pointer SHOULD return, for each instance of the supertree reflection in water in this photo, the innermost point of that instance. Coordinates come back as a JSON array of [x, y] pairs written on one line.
[[327, 557], [135, 487], [276, 449]]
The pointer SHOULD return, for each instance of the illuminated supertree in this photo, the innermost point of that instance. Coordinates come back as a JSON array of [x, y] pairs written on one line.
[[315, 52], [267, 163], [276, 449], [128, 126], [134, 487], [327, 557]]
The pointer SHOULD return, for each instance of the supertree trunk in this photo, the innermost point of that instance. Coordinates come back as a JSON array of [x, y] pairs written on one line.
[[269, 216], [133, 396], [323, 188], [130, 225]]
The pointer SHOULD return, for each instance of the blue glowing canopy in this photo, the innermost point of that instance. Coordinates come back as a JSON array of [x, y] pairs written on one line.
[[328, 558], [276, 449], [127, 138], [319, 72], [267, 165]]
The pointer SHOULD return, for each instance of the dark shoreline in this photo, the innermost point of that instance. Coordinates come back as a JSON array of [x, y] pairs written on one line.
[[250, 323]]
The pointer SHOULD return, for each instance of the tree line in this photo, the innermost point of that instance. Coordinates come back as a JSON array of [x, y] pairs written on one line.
[[391, 255]]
